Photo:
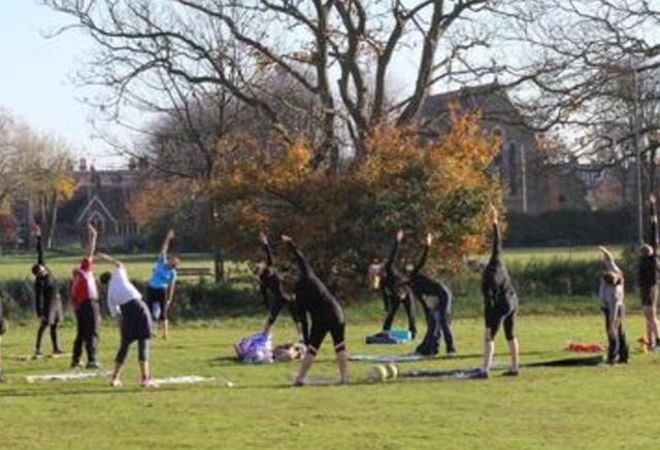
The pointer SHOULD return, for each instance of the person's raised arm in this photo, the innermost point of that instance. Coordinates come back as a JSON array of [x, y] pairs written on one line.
[[303, 264], [166, 244], [391, 259], [654, 224], [425, 253], [91, 242], [609, 260], [108, 259], [40, 247], [266, 246], [497, 238]]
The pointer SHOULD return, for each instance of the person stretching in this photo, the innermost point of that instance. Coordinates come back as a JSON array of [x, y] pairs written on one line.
[[436, 300], [125, 301], [270, 286], [395, 291], [85, 303], [2, 332], [611, 293], [47, 299], [500, 304], [648, 279], [160, 289], [327, 316]]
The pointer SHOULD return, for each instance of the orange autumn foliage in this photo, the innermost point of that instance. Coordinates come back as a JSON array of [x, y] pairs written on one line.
[[344, 222]]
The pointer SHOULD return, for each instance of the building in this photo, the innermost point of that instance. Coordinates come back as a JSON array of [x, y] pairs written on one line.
[[531, 185], [102, 197]]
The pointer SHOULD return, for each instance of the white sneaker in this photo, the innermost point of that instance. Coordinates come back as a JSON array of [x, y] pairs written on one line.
[[148, 383]]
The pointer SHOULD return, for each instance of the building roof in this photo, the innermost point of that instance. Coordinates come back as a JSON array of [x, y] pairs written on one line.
[[491, 99], [112, 200]]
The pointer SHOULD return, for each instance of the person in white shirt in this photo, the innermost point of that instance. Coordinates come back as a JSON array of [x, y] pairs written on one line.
[[125, 301], [611, 294]]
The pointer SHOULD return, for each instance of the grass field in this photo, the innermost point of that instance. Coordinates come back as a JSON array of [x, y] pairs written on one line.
[[581, 408], [140, 266]]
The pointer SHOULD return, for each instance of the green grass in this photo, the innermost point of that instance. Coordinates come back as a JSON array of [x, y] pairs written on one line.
[[18, 266], [544, 408], [140, 266], [523, 255]]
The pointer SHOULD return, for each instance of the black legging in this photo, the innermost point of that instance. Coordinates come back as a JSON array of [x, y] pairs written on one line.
[[53, 334], [143, 350], [438, 325], [87, 318], [409, 306], [617, 345]]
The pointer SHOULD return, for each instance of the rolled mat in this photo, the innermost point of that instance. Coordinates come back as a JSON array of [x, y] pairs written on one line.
[[569, 362]]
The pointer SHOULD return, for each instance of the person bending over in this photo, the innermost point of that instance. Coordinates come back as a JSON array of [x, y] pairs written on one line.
[[270, 286], [648, 279], [85, 303], [48, 302], [500, 304], [313, 296], [395, 291], [125, 301], [160, 288], [611, 293], [436, 299]]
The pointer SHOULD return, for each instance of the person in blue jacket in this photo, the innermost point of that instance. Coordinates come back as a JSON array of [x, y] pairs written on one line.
[[160, 289]]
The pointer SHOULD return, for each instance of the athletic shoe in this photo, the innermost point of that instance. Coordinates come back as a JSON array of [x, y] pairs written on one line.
[[343, 381], [298, 382], [115, 382], [148, 383], [38, 355], [76, 365], [452, 353], [511, 373], [57, 352], [93, 365], [2, 377]]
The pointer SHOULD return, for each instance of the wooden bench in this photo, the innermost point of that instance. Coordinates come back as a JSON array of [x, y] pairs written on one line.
[[194, 271]]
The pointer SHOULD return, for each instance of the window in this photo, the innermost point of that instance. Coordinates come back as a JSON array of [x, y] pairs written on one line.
[[512, 161]]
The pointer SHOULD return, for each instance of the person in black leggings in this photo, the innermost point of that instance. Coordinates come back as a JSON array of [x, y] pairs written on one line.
[[436, 299], [313, 297], [47, 298], [500, 304], [648, 279], [270, 286], [395, 291]]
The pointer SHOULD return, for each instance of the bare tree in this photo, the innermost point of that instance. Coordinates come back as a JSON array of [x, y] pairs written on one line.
[[35, 168], [348, 47]]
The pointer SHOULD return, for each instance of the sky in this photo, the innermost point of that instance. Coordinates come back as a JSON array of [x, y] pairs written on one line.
[[36, 78], [37, 84]]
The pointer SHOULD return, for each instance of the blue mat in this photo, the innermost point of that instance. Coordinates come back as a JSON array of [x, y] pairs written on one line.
[[389, 337]]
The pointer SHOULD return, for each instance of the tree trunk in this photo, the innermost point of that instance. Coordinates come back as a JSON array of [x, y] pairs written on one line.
[[218, 261]]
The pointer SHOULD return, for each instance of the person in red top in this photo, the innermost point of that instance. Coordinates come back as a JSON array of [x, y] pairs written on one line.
[[85, 303]]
